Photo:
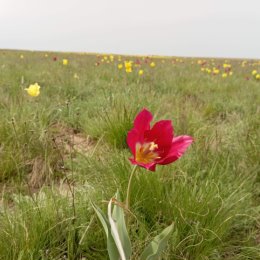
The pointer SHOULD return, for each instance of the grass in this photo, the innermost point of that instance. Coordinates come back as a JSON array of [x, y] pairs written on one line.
[[72, 137]]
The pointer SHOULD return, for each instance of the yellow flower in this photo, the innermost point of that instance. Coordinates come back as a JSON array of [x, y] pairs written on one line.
[[230, 73], [140, 72], [120, 66], [152, 64], [33, 90], [257, 76], [225, 65], [65, 62], [46, 55], [21, 56], [224, 75], [202, 69], [128, 64], [254, 72], [111, 57], [128, 70], [215, 71], [105, 57]]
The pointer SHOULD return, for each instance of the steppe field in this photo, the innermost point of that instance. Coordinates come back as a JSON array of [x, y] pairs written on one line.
[[63, 153]]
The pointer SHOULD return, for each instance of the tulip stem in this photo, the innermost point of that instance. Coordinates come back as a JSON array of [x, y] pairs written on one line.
[[127, 204]]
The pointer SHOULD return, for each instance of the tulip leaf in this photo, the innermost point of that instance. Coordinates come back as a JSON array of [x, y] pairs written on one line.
[[103, 219], [115, 233], [119, 217], [157, 245], [111, 246]]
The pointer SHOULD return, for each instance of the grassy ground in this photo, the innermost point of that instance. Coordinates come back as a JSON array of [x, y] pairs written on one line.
[[71, 140]]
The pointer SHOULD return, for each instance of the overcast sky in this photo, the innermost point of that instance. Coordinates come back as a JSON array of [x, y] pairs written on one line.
[[213, 28]]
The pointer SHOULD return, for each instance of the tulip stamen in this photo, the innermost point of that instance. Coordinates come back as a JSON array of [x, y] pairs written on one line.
[[145, 152]]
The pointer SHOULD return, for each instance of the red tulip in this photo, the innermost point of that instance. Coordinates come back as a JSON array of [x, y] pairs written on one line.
[[138, 62], [156, 145]]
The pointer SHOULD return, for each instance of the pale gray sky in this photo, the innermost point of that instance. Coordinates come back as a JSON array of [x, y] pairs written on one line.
[[215, 28]]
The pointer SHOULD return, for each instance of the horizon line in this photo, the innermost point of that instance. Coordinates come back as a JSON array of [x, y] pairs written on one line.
[[129, 55]]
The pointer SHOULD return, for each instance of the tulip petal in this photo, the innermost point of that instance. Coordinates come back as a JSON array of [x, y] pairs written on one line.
[[141, 124], [161, 134], [148, 166], [132, 139], [142, 121], [178, 148]]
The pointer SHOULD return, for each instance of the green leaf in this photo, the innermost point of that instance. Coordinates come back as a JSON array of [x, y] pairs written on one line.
[[111, 246], [157, 245], [119, 218], [114, 232], [118, 241], [103, 219]]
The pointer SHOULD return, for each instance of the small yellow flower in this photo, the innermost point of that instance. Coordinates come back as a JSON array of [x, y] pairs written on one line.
[[215, 71], [225, 65], [128, 64], [111, 57], [140, 72], [152, 64], [230, 73], [46, 55], [202, 69], [120, 66], [224, 75], [75, 76], [128, 70], [21, 56], [65, 62], [105, 57], [254, 72], [257, 76], [33, 90]]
